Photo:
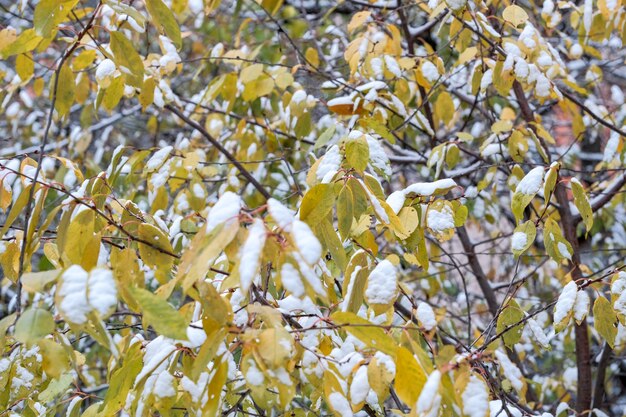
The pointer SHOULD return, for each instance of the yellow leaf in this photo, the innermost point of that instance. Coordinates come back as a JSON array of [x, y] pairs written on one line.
[[515, 15], [66, 90], [163, 18]]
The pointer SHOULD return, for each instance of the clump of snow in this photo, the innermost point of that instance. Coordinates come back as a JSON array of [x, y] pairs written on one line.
[[429, 399], [430, 71], [360, 386], [290, 278], [565, 303], [440, 221], [306, 242], [581, 305], [340, 404], [531, 183], [424, 189], [475, 398], [226, 210], [519, 241], [538, 333], [510, 371], [105, 73], [382, 284], [281, 214], [250, 254], [426, 316], [158, 158], [253, 375], [563, 250], [82, 292], [328, 167]]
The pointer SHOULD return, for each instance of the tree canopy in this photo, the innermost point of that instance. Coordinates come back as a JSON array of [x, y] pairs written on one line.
[[312, 207]]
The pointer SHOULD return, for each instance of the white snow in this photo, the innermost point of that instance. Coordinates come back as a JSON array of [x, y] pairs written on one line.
[[429, 399], [340, 404], [226, 210], [281, 214], [429, 188], [565, 303], [306, 242], [105, 72], [440, 221], [510, 371], [253, 375], [382, 284], [430, 71], [250, 254], [290, 278], [83, 292], [563, 250], [475, 398], [340, 101], [164, 385], [531, 183], [576, 51], [426, 316], [158, 158], [396, 200], [360, 386], [392, 66], [519, 241], [386, 361], [331, 161], [538, 333], [581, 305]]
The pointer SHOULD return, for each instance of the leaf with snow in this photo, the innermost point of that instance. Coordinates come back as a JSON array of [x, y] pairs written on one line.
[[563, 309], [81, 293]]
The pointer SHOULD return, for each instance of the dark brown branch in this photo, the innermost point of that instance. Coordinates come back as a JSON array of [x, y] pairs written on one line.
[[221, 149]]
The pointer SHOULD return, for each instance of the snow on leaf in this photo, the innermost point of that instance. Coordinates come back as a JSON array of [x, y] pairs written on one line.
[[82, 292]]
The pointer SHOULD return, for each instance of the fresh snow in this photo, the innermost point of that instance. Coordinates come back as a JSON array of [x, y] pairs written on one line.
[[429, 399], [306, 242], [82, 292], [359, 386], [382, 285], [531, 183], [281, 214], [157, 159], [566, 302], [510, 371], [430, 71], [340, 404], [226, 210], [440, 221], [426, 316], [250, 254], [519, 241], [475, 398], [329, 165], [290, 278], [581, 305]]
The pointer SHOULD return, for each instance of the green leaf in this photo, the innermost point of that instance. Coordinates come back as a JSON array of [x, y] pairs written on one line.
[[316, 204], [530, 232], [34, 282], [557, 247], [510, 315], [164, 20], [49, 13], [345, 212], [66, 90], [155, 249], [26, 42], [605, 320], [581, 201], [33, 324], [357, 153], [324, 137], [126, 56], [373, 336], [159, 314]]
